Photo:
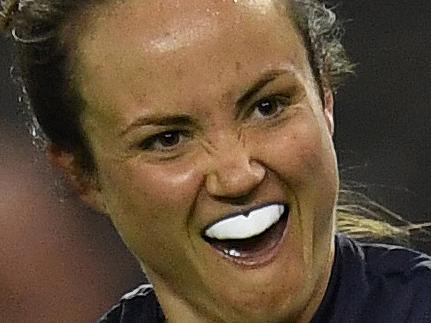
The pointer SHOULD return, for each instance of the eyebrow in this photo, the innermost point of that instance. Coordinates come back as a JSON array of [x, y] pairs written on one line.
[[260, 83], [182, 120], [185, 120]]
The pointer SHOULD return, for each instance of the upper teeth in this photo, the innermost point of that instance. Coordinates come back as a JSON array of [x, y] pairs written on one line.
[[243, 226]]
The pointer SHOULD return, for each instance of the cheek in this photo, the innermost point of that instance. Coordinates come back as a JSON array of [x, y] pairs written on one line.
[[301, 152], [149, 199], [138, 183], [301, 155]]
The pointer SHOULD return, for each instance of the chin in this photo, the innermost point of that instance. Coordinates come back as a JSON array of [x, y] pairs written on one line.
[[270, 285]]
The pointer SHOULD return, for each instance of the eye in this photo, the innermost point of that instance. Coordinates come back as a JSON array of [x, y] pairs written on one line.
[[164, 141], [270, 107]]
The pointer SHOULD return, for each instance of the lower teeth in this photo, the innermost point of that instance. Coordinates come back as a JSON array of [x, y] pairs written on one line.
[[246, 248], [232, 253]]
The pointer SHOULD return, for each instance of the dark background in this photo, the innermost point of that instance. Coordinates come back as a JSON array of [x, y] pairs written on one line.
[[58, 259]]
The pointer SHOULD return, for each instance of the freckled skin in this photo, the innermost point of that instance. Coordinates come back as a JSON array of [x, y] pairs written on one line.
[[130, 65]]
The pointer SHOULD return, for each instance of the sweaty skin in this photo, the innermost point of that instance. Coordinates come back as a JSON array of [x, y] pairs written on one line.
[[174, 92]]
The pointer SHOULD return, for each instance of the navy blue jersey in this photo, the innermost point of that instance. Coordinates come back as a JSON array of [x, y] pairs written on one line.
[[369, 283]]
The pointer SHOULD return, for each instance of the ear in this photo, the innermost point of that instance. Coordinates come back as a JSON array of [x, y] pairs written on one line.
[[328, 109], [86, 186]]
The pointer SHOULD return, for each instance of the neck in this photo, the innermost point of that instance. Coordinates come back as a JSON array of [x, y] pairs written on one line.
[[178, 310], [320, 290]]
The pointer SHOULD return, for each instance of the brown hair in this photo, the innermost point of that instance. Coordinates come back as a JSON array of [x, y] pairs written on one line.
[[55, 106], [50, 93]]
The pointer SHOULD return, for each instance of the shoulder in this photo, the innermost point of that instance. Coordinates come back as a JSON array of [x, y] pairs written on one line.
[[387, 259], [139, 305], [406, 273], [390, 260], [392, 277]]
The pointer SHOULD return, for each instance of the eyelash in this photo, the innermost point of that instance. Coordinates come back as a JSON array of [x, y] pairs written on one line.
[[279, 101], [149, 144]]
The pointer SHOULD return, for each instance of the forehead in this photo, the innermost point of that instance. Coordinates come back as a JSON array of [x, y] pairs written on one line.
[[172, 24], [135, 47]]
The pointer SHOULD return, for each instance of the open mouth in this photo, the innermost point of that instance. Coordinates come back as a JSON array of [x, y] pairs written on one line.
[[250, 239]]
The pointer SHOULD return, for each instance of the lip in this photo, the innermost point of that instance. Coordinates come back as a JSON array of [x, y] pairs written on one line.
[[262, 257]]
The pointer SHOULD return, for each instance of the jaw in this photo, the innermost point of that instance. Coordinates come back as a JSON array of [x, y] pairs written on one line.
[[218, 285]]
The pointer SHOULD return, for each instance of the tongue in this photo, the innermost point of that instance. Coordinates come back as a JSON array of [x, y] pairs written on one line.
[[252, 247]]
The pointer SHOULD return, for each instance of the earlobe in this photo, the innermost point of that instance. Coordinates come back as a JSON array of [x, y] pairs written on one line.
[[87, 187], [329, 109]]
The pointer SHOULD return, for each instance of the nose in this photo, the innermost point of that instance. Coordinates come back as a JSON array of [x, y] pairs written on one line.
[[234, 175]]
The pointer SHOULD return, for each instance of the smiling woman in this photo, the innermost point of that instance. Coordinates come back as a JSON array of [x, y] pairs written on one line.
[[203, 130]]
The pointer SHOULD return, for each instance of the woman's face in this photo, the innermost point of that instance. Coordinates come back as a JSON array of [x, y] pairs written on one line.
[[197, 112]]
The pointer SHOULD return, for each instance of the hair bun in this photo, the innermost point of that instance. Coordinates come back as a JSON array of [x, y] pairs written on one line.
[[7, 9]]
